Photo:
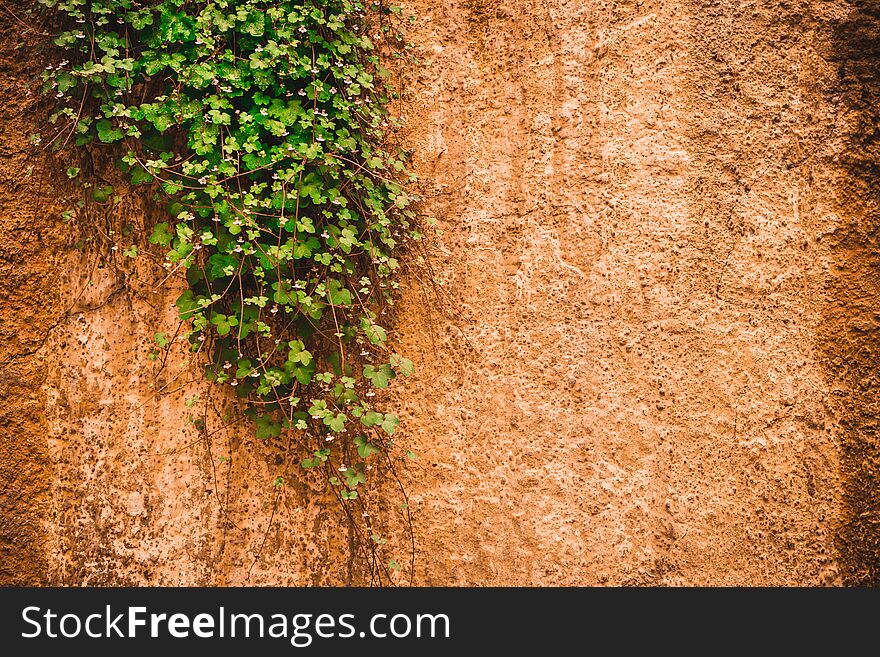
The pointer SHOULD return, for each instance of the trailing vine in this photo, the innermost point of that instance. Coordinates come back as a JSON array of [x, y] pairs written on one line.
[[265, 127]]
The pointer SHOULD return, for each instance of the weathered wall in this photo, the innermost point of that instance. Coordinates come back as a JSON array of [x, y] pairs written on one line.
[[141, 494], [631, 390], [652, 361], [30, 304], [850, 334]]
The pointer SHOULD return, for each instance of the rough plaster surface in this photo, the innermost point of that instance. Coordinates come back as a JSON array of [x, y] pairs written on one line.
[[630, 392], [30, 304], [650, 361]]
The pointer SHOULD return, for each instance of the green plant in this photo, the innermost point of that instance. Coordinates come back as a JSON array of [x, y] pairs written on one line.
[[265, 127]]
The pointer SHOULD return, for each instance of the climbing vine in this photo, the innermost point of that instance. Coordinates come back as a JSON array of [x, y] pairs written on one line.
[[265, 127]]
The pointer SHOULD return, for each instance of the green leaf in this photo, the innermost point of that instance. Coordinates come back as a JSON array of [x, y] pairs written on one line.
[[339, 295], [139, 176], [244, 368], [403, 365], [222, 265], [186, 304], [161, 234], [102, 193], [372, 418], [107, 133], [267, 427], [365, 448], [354, 477], [298, 353], [375, 333], [224, 323], [389, 424], [380, 376], [320, 457], [336, 422]]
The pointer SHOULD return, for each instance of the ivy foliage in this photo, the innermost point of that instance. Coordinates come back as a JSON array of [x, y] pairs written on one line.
[[265, 127]]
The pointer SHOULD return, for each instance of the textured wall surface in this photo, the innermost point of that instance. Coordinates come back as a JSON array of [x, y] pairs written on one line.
[[651, 359], [636, 199], [30, 306]]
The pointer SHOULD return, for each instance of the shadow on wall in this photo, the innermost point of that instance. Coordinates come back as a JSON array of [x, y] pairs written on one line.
[[851, 331]]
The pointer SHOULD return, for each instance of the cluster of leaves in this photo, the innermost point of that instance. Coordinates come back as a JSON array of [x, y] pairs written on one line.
[[265, 125]]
